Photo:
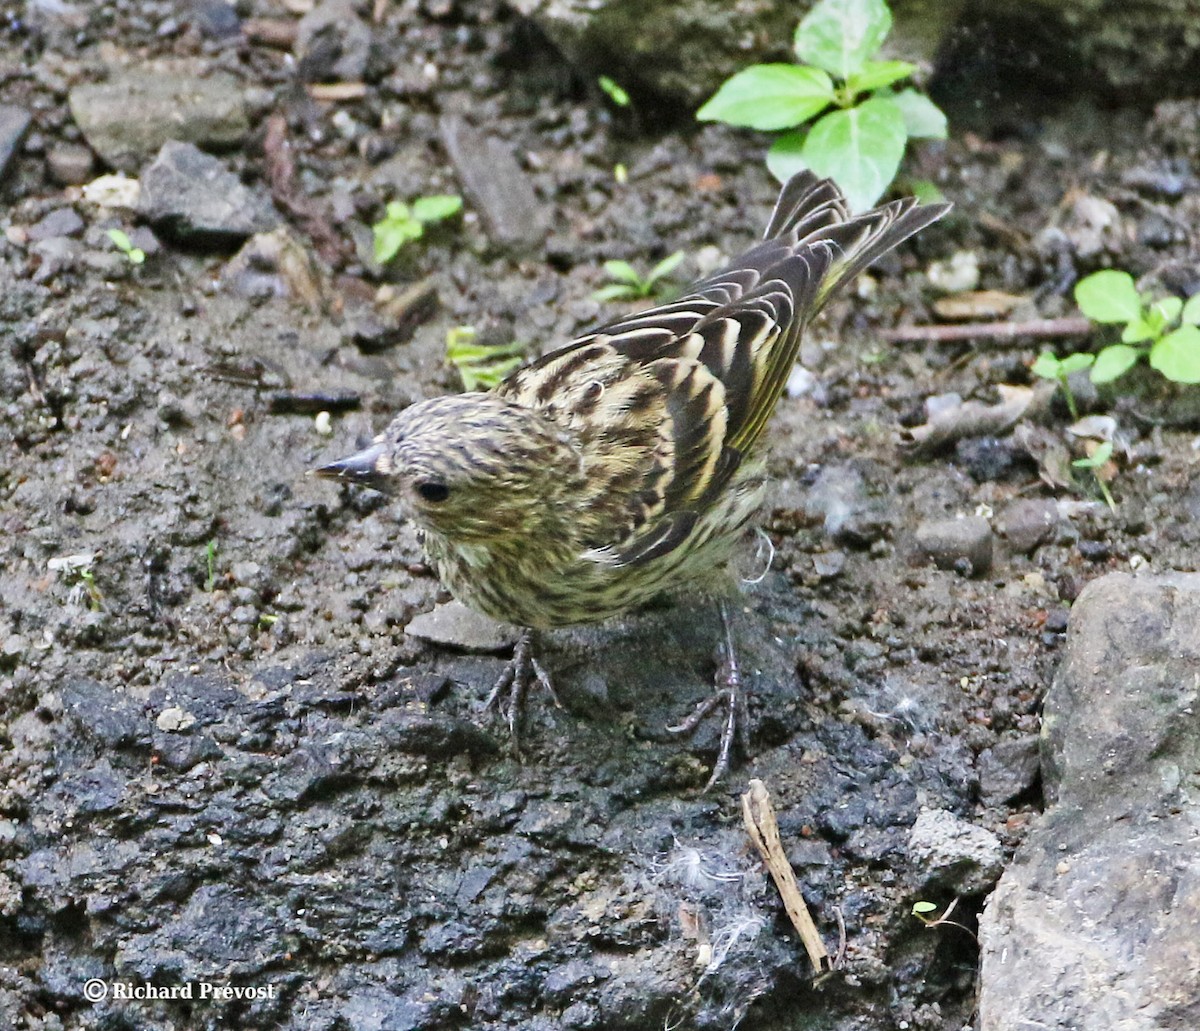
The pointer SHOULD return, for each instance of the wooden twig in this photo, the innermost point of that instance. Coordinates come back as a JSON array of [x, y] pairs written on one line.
[[1068, 327], [759, 817]]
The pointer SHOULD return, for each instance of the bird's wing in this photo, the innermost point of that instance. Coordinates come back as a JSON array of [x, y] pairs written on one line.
[[666, 402]]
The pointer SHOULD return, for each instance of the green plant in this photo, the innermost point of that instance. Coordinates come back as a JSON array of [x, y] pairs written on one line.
[[122, 242], [404, 223], [628, 285], [1166, 329], [1050, 366], [861, 142], [924, 911], [613, 91], [481, 366], [210, 562], [1095, 462]]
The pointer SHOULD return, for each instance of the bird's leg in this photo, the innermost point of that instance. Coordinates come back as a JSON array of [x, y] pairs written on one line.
[[730, 696], [508, 695]]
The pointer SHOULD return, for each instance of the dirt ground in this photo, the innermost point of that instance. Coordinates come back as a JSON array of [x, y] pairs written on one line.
[[223, 759]]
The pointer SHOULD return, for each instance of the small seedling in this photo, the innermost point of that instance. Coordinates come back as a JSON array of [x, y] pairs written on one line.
[[628, 285], [861, 142], [1095, 462], [924, 911], [613, 91], [1050, 366], [404, 223], [480, 366], [78, 572], [210, 561], [1165, 329], [120, 239]]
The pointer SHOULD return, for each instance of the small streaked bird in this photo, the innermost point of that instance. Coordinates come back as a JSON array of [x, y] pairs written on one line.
[[625, 465]]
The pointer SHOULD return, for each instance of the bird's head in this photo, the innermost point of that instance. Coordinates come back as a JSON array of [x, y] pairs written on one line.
[[470, 467]]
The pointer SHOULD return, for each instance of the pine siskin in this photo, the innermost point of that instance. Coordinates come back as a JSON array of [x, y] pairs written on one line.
[[625, 465]]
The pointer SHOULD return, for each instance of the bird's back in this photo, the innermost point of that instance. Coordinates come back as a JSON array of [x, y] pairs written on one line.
[[669, 403]]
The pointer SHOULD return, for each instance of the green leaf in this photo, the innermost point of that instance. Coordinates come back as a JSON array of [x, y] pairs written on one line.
[[615, 93], [615, 292], [860, 148], [1167, 309], [665, 267], [434, 209], [1177, 355], [120, 238], [1113, 362], [1047, 366], [783, 159], [622, 272], [876, 74], [1108, 297], [769, 96], [840, 35], [921, 908], [1191, 311], [391, 235], [1075, 362], [1140, 329], [926, 191], [397, 211], [923, 119]]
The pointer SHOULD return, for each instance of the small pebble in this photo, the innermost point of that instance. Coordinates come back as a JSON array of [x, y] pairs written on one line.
[[965, 544]]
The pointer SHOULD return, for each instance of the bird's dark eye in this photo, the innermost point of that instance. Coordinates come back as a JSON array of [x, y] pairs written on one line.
[[433, 491]]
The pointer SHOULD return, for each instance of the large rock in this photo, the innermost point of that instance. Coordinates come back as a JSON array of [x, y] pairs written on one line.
[[14, 124], [1096, 925], [129, 117]]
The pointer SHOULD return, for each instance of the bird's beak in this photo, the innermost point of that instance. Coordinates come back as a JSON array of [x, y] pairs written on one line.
[[367, 468]]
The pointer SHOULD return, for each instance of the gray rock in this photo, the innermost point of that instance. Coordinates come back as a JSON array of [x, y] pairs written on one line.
[[14, 124], [1009, 769], [69, 164], [333, 43], [954, 856], [129, 117], [1027, 524], [957, 543], [191, 196], [496, 186], [1096, 925], [60, 222], [460, 627]]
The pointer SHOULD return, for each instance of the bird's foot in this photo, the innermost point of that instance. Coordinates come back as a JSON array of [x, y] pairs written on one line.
[[507, 697], [728, 697]]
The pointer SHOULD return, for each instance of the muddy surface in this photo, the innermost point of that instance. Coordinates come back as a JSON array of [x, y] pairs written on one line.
[[223, 759]]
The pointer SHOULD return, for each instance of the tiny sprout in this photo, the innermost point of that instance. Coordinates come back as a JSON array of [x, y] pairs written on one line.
[[120, 239], [923, 911], [210, 561], [1050, 366], [627, 284], [403, 223], [1095, 462], [614, 91]]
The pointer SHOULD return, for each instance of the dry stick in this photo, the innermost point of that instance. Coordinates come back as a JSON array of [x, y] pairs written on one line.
[[1070, 327], [759, 817]]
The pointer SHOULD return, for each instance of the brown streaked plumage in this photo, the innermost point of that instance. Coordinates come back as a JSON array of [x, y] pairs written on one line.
[[625, 464]]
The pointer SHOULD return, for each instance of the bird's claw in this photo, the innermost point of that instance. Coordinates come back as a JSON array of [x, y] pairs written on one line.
[[507, 697]]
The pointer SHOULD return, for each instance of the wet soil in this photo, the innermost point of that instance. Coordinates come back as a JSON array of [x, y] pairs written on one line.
[[223, 759]]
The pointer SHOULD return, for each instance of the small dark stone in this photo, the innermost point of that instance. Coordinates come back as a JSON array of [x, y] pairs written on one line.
[[69, 164], [1009, 769], [987, 458], [1095, 551], [14, 124]]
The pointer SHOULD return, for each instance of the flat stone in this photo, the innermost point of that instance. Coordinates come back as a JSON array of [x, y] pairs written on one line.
[[60, 222], [14, 124], [1029, 523], [497, 187], [128, 118], [1096, 924], [193, 197], [460, 627]]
